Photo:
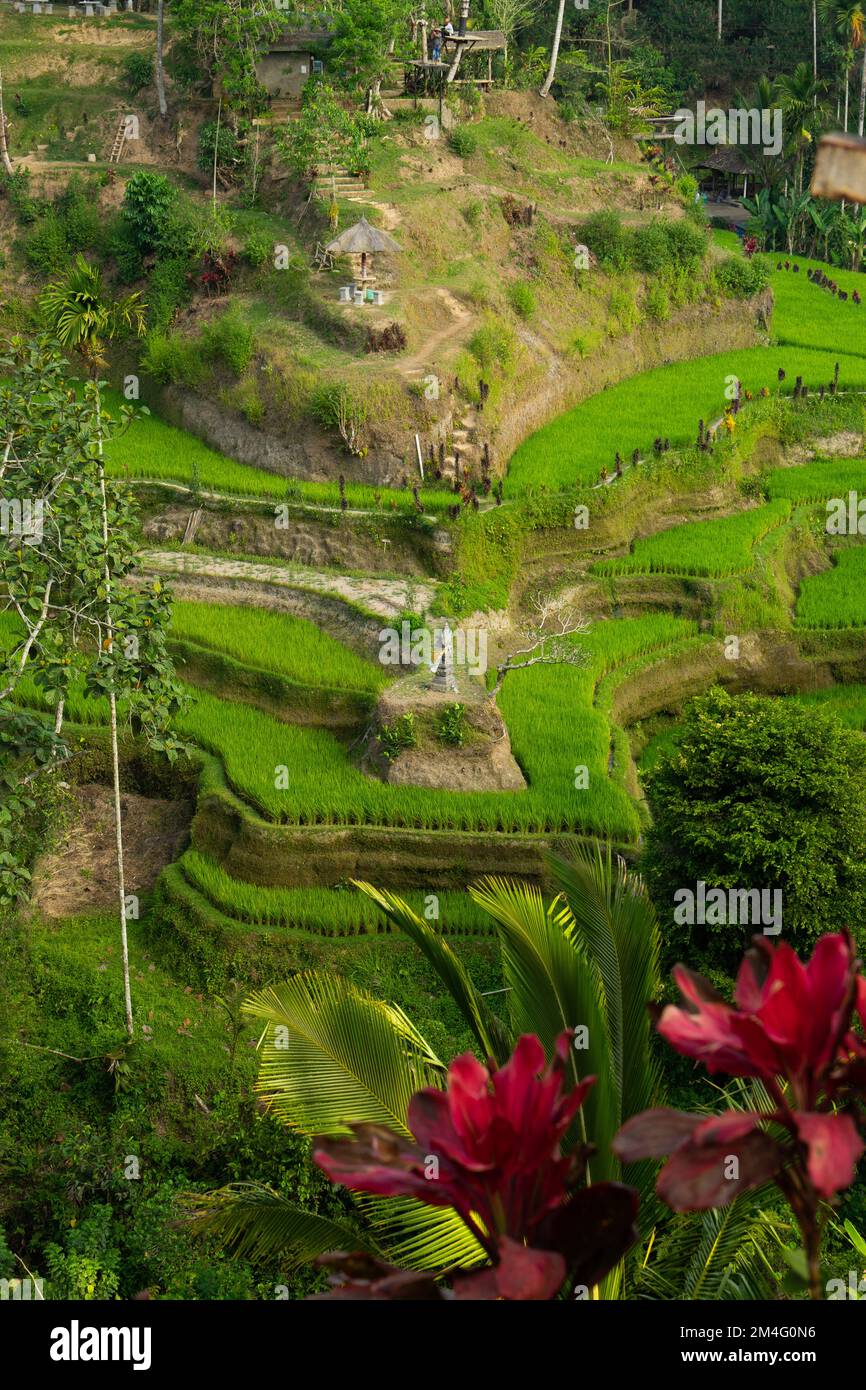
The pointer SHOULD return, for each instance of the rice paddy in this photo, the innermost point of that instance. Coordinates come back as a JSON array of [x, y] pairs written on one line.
[[151, 450], [836, 597], [303, 776], [277, 642], [818, 481], [667, 402], [328, 912], [712, 548]]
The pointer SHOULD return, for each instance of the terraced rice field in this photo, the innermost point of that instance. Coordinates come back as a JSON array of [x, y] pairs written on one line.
[[288, 646], [818, 481], [836, 597], [667, 402], [152, 450], [303, 776], [712, 548], [330, 912]]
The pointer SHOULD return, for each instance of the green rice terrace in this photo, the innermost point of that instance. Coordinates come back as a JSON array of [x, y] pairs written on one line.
[[431, 554]]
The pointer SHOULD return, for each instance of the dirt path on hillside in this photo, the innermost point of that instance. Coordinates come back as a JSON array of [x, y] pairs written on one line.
[[461, 320], [386, 597], [80, 873]]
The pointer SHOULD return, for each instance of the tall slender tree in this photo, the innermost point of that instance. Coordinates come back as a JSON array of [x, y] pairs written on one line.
[[4, 148], [554, 50], [83, 317], [159, 72]]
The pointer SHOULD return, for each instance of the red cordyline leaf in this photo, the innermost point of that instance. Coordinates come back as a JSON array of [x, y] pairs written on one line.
[[791, 1026], [490, 1147]]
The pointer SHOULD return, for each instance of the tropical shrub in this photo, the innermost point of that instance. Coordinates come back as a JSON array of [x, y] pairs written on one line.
[[137, 72], [758, 794], [522, 299], [147, 202], [740, 278], [463, 141]]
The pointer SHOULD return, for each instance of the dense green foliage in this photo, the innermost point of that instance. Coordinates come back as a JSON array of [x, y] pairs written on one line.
[[758, 793]]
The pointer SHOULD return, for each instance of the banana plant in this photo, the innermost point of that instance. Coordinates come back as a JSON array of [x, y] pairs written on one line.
[[332, 1055], [853, 227]]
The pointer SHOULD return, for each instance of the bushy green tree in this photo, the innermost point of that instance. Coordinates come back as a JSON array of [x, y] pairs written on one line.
[[758, 793], [324, 133]]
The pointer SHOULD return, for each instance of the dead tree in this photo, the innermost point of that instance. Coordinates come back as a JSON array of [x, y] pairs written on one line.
[[553, 624]]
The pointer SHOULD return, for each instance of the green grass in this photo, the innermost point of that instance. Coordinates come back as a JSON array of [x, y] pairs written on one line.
[[666, 402], [818, 481], [554, 728], [325, 911], [153, 450], [836, 597], [288, 646], [804, 315], [808, 316], [709, 548], [847, 702]]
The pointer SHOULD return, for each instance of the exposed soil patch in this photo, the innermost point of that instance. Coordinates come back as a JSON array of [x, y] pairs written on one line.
[[387, 597], [845, 444], [80, 873]]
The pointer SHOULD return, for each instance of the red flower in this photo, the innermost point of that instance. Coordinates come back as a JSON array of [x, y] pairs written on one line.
[[490, 1147], [791, 1028]]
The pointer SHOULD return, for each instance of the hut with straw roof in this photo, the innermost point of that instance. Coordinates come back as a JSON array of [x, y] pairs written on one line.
[[361, 243]]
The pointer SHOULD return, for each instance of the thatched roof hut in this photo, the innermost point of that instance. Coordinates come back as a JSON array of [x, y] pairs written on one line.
[[362, 239]]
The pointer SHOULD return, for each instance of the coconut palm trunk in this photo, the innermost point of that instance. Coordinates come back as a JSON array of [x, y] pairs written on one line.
[[554, 50], [159, 73], [862, 112], [4, 149]]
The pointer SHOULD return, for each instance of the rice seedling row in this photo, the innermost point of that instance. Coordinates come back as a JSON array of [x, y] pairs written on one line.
[[712, 548], [327, 911], [836, 597], [667, 402]]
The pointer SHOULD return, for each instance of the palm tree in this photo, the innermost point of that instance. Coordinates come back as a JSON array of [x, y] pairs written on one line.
[[84, 318], [333, 1055], [554, 51], [798, 95], [848, 18]]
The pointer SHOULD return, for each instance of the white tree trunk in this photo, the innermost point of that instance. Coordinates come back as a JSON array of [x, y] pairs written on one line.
[[719, 28], [160, 75], [115, 759], [862, 95], [4, 150], [554, 51]]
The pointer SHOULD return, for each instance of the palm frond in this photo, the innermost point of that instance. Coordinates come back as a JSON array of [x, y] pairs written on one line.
[[493, 1039], [554, 987], [415, 1236], [333, 1055], [254, 1222], [710, 1255], [616, 924]]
